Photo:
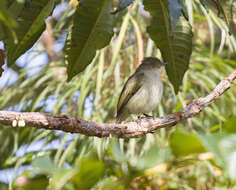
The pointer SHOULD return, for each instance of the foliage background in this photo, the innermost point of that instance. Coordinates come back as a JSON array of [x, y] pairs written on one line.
[[196, 154]]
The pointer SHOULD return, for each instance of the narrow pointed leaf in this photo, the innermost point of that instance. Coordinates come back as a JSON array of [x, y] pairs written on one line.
[[92, 30], [7, 22], [176, 47], [228, 9], [225, 9], [31, 24]]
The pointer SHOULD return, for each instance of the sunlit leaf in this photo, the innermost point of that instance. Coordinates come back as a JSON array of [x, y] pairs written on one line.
[[228, 148], [89, 172], [211, 143], [110, 183], [229, 11], [224, 149], [154, 156], [7, 22], [45, 165], [183, 144], [36, 182], [230, 125], [31, 24], [225, 9], [92, 30], [175, 48], [115, 151], [7, 141]]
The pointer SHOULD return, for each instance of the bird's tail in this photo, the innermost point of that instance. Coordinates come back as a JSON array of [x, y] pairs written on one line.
[[118, 119], [121, 116]]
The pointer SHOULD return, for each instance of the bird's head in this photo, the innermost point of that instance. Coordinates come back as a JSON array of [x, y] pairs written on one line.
[[152, 64]]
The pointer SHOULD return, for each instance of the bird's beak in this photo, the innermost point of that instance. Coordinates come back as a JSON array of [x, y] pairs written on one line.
[[165, 63]]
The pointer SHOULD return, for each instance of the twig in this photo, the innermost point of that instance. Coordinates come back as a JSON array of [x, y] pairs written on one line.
[[125, 130]]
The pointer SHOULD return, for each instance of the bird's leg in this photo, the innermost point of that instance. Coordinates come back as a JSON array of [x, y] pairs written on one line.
[[133, 118], [154, 115], [149, 116], [146, 115], [139, 117]]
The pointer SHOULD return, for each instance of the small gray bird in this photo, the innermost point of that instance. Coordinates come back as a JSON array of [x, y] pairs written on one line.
[[142, 92]]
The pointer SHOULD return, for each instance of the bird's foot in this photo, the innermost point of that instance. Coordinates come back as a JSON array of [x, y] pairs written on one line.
[[140, 117], [144, 116], [147, 116]]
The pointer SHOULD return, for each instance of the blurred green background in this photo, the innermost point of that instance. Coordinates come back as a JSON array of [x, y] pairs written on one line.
[[199, 153]]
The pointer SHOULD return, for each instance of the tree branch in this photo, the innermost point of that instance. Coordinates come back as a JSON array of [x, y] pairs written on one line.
[[127, 130]]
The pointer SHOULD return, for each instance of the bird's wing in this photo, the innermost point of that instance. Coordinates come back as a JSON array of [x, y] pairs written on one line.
[[131, 86]]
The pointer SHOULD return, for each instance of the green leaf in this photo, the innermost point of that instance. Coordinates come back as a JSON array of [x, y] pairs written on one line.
[[225, 10], [154, 156], [7, 144], [184, 9], [7, 22], [228, 148], [230, 125], [211, 143], [204, 3], [109, 183], [115, 151], [224, 149], [176, 47], [45, 165], [31, 24], [228, 8], [92, 30], [89, 172], [183, 144], [35, 182]]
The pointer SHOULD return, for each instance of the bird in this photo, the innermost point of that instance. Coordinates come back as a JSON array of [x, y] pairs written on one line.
[[142, 91]]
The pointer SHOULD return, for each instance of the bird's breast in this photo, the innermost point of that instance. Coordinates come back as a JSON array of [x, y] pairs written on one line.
[[148, 96], [154, 89]]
